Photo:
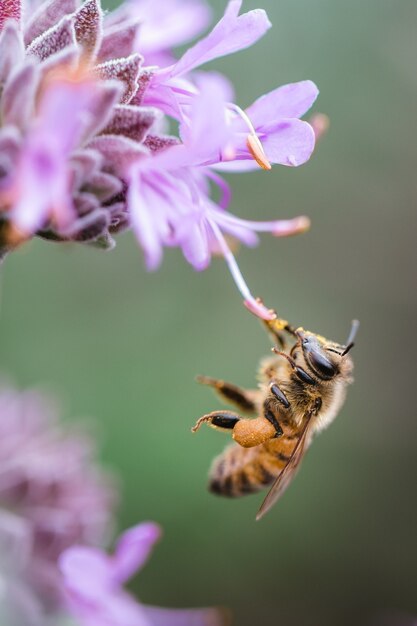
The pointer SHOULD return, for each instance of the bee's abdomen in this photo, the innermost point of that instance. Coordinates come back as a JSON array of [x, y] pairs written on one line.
[[241, 471]]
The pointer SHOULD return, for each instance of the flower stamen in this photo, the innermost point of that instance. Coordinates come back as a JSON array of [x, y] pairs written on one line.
[[255, 305], [256, 149], [253, 142]]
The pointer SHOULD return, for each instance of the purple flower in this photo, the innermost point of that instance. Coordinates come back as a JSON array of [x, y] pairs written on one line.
[[51, 493], [170, 194], [164, 25], [169, 90], [18, 603], [111, 165], [94, 585], [285, 138], [320, 124], [66, 181]]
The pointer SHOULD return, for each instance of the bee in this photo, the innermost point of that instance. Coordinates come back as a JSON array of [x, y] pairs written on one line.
[[301, 390]]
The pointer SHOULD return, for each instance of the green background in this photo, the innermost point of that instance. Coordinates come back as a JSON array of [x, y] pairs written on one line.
[[124, 346]]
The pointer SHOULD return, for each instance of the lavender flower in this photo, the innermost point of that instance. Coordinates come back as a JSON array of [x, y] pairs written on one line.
[[164, 24], [18, 603], [94, 585], [51, 494], [84, 152], [170, 194]]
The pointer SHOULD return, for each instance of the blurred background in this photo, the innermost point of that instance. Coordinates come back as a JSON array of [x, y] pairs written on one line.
[[124, 346]]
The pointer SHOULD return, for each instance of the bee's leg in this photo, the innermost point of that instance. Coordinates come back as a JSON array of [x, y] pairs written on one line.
[[273, 420], [220, 420], [246, 432], [244, 399], [299, 371], [270, 409], [277, 328], [279, 395]]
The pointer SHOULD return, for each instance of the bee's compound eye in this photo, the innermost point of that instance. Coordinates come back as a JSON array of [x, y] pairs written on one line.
[[322, 365]]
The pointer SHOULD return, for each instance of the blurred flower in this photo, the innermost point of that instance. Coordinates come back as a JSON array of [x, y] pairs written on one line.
[[94, 585], [170, 194], [320, 124], [51, 493], [84, 149], [164, 24], [19, 605]]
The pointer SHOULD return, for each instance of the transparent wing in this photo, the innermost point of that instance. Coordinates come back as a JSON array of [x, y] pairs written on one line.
[[283, 480]]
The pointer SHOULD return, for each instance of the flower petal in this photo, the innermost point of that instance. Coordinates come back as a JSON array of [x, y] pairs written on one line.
[[133, 549], [193, 240], [11, 49], [288, 101], [169, 23], [205, 131], [40, 185], [87, 571], [143, 205], [42, 178], [19, 96], [102, 98], [291, 143], [231, 33], [15, 542], [81, 103]]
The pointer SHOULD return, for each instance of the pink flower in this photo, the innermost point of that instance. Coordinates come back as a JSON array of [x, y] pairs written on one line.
[[169, 90], [169, 195], [94, 582], [52, 495], [163, 25], [66, 181], [111, 165], [18, 603]]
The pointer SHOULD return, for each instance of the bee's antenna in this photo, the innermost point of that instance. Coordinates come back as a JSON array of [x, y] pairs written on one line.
[[350, 340]]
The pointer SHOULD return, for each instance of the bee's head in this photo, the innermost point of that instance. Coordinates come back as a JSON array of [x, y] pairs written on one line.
[[326, 359]]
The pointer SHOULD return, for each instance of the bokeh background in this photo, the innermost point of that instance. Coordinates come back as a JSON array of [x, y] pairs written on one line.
[[124, 346]]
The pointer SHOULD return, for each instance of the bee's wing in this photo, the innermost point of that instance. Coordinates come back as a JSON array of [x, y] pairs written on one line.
[[285, 477]]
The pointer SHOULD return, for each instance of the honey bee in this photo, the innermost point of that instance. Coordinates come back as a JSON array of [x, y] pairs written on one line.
[[301, 390]]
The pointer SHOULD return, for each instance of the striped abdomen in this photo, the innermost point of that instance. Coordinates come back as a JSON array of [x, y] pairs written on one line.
[[239, 471]]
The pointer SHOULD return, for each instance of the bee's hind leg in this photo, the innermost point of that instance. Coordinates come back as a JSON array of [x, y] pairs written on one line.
[[244, 399], [220, 420], [245, 432]]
